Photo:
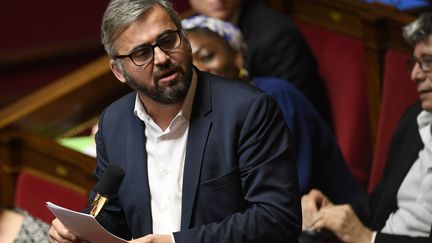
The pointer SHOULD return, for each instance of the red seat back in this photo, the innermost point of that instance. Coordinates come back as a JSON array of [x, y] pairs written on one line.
[[33, 190], [341, 61], [398, 93]]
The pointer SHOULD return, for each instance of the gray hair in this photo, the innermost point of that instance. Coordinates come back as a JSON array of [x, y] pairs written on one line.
[[420, 30], [121, 13]]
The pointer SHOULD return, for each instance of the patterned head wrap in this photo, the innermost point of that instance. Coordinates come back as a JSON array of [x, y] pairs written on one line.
[[224, 29]]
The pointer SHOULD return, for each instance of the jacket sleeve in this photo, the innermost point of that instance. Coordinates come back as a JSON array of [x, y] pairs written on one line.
[[111, 217]]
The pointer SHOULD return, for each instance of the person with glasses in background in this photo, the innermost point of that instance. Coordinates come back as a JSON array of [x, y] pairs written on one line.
[[399, 209], [206, 159]]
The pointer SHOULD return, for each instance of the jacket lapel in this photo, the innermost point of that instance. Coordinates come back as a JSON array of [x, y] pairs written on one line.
[[199, 129], [406, 159], [409, 145]]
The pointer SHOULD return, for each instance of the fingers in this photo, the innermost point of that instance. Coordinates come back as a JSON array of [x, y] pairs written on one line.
[[59, 233], [321, 199], [329, 217], [343, 222], [144, 239], [311, 204], [151, 238], [309, 209]]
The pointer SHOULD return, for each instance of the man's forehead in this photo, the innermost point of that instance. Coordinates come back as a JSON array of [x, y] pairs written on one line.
[[423, 48], [155, 18], [148, 27]]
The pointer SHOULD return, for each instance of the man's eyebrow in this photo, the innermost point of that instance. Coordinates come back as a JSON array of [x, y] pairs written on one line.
[[139, 46]]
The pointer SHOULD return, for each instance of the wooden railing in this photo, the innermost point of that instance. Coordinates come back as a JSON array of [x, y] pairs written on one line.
[[22, 151], [14, 61], [66, 102], [29, 128]]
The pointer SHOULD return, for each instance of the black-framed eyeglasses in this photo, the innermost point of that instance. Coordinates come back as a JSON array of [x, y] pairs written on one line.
[[425, 63], [144, 54]]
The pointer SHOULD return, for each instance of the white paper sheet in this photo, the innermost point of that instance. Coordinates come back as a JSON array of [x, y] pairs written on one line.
[[83, 225]]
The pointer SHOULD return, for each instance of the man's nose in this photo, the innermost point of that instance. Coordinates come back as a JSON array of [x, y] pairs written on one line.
[[160, 57]]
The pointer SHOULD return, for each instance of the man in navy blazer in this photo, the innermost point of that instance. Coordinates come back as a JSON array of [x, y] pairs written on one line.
[[206, 159]]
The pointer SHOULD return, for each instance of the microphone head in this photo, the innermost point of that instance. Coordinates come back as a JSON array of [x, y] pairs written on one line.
[[109, 184]]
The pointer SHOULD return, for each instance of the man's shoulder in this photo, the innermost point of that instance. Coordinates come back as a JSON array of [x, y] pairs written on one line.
[[407, 128], [121, 106], [126, 100], [411, 113]]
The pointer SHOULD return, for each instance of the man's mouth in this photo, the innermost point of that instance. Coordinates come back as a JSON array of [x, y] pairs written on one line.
[[423, 91], [167, 76]]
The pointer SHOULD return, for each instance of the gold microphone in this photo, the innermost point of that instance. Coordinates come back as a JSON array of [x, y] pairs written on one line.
[[107, 187]]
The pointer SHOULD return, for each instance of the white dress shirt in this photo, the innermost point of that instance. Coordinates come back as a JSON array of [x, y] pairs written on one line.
[[166, 151], [414, 198]]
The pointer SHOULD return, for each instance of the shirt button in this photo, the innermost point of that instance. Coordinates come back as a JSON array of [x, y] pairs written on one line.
[[165, 172], [420, 201]]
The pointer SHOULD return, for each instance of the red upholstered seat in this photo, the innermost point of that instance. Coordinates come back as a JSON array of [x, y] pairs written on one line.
[[33, 190], [341, 62], [398, 93]]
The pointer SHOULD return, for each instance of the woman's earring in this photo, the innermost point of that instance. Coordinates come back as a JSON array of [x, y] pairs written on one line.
[[243, 74]]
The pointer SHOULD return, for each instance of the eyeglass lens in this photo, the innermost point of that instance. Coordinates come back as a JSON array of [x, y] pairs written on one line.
[[425, 63], [166, 43]]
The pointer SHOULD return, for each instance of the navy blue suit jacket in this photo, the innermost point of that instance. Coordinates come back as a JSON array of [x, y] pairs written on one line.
[[240, 182]]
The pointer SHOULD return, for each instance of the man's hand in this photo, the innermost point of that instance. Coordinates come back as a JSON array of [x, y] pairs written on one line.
[[59, 233], [153, 239], [343, 222], [311, 203]]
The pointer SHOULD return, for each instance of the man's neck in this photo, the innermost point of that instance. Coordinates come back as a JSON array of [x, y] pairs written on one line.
[[162, 114]]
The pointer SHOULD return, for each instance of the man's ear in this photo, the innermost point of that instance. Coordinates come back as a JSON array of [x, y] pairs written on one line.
[[116, 70]]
